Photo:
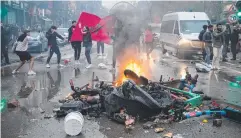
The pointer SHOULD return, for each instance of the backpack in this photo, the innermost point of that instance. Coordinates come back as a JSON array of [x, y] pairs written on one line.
[[200, 37]]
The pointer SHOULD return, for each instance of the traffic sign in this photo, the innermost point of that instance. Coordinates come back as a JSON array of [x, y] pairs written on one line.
[[232, 18]]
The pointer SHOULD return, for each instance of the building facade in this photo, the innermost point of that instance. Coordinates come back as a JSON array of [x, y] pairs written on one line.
[[16, 12]]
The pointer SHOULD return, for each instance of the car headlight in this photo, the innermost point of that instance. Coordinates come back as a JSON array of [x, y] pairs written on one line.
[[185, 43]]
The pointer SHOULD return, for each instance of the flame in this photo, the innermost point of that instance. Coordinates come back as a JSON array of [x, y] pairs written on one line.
[[131, 60]]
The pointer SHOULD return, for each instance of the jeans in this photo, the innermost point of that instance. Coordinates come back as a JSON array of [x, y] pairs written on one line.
[[87, 53], [100, 45], [208, 53], [216, 57], [54, 49], [149, 47], [233, 49], [77, 49]]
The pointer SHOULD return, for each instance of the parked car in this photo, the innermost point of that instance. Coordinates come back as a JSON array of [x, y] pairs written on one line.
[[38, 45], [64, 33]]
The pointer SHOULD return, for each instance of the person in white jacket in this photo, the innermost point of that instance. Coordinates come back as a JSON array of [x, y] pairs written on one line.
[[24, 55]]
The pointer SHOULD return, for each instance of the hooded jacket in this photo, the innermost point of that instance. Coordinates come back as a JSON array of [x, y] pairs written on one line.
[[52, 38]]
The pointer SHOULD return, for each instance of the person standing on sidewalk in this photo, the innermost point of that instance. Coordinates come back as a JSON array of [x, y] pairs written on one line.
[[76, 45], [24, 55], [218, 42], [4, 48], [208, 38], [52, 35], [87, 43], [100, 45]]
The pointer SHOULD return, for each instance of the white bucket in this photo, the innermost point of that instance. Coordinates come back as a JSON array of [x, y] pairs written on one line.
[[73, 123]]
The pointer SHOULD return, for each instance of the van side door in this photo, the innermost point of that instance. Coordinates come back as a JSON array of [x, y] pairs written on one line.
[[166, 35]]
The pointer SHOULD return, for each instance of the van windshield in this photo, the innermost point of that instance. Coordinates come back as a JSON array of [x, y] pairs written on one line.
[[192, 26]]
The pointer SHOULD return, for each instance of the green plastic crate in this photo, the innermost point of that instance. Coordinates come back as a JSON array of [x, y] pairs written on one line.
[[194, 101], [3, 104]]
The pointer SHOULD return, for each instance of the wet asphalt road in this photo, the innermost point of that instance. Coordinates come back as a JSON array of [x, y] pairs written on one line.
[[42, 92]]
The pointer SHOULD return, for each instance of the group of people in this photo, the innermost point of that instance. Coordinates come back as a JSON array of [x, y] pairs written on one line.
[[21, 47], [216, 43]]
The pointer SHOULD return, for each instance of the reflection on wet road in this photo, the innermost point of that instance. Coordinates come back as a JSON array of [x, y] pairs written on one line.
[[49, 85]]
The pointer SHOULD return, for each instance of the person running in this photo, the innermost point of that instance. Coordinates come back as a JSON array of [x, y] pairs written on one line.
[[218, 42], [24, 55], [87, 43], [208, 38], [76, 45], [52, 43], [149, 41], [100, 45], [200, 37]]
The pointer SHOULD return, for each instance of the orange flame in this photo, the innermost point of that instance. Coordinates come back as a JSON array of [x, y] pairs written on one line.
[[130, 60]]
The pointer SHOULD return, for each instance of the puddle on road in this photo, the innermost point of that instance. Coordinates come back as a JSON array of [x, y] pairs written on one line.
[[225, 87]]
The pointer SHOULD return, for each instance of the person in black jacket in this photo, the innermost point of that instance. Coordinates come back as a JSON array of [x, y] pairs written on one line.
[[52, 43], [234, 38], [76, 45], [4, 48], [200, 37]]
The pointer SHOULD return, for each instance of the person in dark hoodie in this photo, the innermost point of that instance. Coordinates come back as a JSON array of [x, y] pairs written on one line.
[[52, 35], [76, 45]]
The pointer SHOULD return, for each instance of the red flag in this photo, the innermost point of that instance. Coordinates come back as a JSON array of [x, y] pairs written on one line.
[[104, 27], [85, 19], [107, 25]]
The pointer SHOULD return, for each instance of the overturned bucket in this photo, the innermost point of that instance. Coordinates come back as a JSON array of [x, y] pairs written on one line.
[[73, 123]]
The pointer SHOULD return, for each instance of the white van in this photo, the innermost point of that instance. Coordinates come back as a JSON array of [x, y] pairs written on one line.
[[180, 30]]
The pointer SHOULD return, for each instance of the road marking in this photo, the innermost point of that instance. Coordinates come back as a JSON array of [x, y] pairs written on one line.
[[232, 69], [229, 63]]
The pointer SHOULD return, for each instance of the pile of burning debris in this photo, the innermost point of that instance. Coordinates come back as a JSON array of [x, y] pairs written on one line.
[[136, 99]]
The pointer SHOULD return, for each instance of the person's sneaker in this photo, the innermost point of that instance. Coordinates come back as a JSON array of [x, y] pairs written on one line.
[[31, 72], [210, 66], [100, 57], [233, 59], [47, 66], [98, 54], [60, 65], [78, 62], [218, 68], [213, 68], [88, 66], [14, 72]]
